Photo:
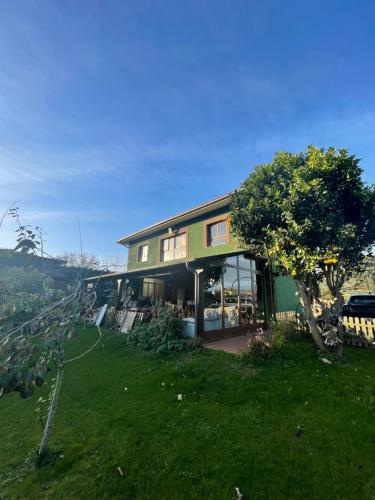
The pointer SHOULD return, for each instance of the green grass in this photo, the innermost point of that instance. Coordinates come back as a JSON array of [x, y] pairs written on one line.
[[294, 428]]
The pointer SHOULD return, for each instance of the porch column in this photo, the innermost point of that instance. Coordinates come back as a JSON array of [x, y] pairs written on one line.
[[120, 285], [198, 298]]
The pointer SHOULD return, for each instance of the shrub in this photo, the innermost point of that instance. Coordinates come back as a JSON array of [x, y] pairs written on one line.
[[278, 341], [292, 329], [259, 349], [262, 346], [161, 334], [23, 294]]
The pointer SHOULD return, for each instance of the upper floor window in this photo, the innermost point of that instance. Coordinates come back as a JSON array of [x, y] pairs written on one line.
[[143, 253], [217, 233], [173, 248]]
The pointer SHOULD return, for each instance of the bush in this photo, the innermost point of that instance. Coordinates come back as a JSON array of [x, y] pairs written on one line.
[[161, 334], [261, 346], [23, 294], [259, 349], [292, 329]]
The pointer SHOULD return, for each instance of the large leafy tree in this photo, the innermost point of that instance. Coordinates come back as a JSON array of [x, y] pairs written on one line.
[[313, 215]]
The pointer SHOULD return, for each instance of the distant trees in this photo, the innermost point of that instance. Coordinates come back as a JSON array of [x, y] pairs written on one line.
[[364, 281], [313, 216], [83, 260]]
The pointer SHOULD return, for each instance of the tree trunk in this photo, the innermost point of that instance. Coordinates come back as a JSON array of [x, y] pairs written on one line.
[[340, 301], [43, 450], [309, 315], [335, 281]]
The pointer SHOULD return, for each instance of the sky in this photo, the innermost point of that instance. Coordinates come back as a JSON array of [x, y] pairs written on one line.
[[116, 114]]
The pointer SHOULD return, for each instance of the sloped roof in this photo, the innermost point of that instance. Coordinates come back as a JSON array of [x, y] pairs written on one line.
[[201, 209]]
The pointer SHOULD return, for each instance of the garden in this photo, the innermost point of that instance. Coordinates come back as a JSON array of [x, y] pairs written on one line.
[[136, 424]]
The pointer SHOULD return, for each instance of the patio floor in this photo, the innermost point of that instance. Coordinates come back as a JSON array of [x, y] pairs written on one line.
[[233, 345]]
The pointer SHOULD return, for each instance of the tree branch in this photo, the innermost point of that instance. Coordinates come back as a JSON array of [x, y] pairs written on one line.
[[88, 350]]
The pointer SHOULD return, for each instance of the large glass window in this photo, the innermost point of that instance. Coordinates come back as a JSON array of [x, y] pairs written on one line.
[[230, 289], [173, 248], [233, 294], [217, 233], [246, 270], [260, 311], [212, 299]]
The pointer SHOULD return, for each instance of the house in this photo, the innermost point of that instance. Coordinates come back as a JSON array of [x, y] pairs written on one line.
[[193, 263]]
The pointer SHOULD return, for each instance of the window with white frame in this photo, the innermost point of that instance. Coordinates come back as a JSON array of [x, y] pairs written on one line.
[[173, 248], [143, 253]]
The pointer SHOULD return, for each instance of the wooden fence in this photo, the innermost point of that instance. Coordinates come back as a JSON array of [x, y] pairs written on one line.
[[361, 327], [360, 331], [285, 315]]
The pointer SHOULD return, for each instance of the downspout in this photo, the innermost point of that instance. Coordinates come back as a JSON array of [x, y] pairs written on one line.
[[196, 273]]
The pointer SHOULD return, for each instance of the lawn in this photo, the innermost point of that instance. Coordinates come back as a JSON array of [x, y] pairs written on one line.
[[293, 428]]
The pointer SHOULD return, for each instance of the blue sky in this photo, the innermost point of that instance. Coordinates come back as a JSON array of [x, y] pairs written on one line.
[[119, 114]]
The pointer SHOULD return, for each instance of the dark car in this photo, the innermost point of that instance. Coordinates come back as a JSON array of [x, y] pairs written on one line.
[[360, 305]]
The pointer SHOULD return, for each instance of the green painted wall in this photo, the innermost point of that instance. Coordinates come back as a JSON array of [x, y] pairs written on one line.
[[285, 288], [285, 293], [196, 246], [153, 253]]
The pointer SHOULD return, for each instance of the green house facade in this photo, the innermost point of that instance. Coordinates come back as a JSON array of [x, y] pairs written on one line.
[[193, 263]]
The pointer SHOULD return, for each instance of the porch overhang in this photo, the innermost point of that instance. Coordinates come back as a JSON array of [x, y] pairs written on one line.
[[166, 269], [143, 273]]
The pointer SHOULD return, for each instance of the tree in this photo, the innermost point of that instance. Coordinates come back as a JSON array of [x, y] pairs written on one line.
[[35, 322], [29, 350], [312, 215]]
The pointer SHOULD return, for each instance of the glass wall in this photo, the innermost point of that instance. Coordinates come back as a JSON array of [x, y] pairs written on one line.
[[230, 280], [233, 294], [212, 299], [260, 307], [247, 309]]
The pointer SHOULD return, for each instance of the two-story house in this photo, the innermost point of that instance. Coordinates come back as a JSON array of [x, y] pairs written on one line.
[[192, 262]]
